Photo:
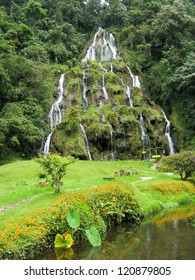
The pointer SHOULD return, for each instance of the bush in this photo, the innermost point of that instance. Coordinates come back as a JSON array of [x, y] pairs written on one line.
[[173, 188], [54, 169], [30, 235], [182, 163]]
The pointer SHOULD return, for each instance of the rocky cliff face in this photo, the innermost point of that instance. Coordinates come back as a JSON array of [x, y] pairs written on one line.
[[106, 113]]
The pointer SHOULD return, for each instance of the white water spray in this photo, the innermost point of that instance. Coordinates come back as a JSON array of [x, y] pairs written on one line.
[[55, 115], [86, 141], [103, 83], [128, 93], [85, 100], [144, 136], [103, 47], [135, 79], [168, 135]]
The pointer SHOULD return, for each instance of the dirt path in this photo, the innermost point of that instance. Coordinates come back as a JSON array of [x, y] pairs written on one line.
[[11, 206]]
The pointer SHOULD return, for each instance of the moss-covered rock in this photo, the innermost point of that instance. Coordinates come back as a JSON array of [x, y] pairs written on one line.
[[112, 126]]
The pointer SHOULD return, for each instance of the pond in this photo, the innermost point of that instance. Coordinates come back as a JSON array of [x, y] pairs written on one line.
[[167, 236]]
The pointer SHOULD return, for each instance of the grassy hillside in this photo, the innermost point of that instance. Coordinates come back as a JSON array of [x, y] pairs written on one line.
[[19, 182], [31, 215]]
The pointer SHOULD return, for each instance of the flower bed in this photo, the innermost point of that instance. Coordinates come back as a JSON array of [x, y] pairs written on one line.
[[32, 234], [173, 188]]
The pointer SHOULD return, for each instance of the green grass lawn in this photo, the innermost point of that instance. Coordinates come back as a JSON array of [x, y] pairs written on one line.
[[31, 215], [19, 181]]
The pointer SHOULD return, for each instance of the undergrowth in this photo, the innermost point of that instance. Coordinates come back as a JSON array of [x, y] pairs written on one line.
[[33, 233]]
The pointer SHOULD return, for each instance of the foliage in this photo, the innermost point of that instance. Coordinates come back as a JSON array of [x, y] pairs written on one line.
[[115, 14], [182, 163], [93, 236], [54, 168], [73, 219], [63, 241], [20, 126], [173, 188], [32, 233], [71, 121], [155, 38]]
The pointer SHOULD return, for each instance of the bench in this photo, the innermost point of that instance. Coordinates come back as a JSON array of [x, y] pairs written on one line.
[[108, 178]]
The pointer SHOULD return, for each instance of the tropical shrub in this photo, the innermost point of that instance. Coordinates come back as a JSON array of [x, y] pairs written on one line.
[[32, 234], [54, 169], [182, 163], [173, 188], [73, 219]]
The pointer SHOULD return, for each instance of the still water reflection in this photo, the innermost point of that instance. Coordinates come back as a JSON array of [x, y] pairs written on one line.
[[165, 237]]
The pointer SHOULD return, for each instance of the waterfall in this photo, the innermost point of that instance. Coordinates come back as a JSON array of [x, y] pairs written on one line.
[[103, 83], [143, 127], [135, 79], [136, 82], [47, 144], [104, 88], [101, 104], [103, 47], [111, 68], [167, 135], [144, 136], [91, 52], [85, 101], [112, 142], [86, 141], [102, 118], [108, 51], [128, 93], [55, 114]]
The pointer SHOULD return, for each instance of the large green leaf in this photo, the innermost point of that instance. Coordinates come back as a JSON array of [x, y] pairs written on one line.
[[93, 236], [73, 218], [63, 241]]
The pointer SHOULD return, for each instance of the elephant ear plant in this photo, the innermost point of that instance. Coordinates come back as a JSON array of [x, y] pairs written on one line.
[[66, 240]]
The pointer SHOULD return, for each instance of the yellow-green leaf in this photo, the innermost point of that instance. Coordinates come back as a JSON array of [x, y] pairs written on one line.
[[65, 241]]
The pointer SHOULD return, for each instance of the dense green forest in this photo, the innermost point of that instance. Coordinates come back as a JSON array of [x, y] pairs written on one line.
[[43, 38]]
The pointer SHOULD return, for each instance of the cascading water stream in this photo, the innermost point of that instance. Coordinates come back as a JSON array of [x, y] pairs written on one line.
[[108, 50], [143, 127], [111, 68], [104, 51], [91, 52], [144, 136], [128, 93], [103, 83], [55, 114], [168, 135], [103, 48], [135, 79], [103, 118], [112, 142], [47, 144], [86, 141], [85, 100]]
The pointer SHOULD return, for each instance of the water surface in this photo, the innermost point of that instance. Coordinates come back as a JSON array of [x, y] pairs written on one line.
[[168, 236]]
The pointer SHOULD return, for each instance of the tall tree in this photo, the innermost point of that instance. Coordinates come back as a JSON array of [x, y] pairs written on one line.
[[115, 13], [170, 25]]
